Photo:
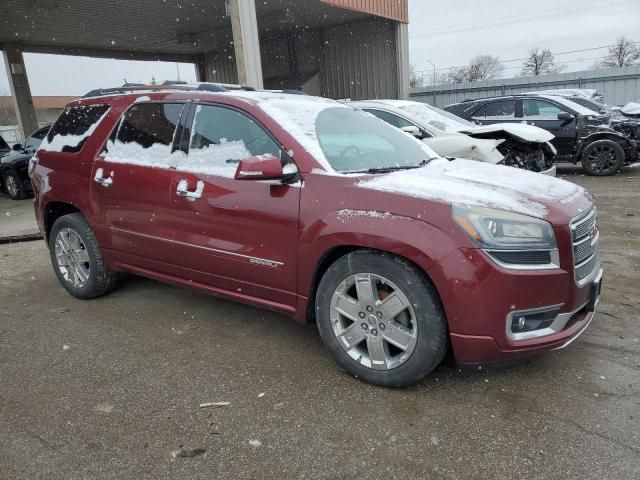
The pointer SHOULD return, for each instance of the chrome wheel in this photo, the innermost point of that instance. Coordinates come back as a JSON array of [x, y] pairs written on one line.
[[72, 257], [11, 184], [373, 321]]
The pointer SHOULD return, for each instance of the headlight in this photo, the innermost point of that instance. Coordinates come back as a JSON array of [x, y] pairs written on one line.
[[511, 239]]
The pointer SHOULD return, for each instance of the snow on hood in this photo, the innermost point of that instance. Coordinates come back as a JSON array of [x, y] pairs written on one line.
[[631, 108], [529, 133], [470, 183]]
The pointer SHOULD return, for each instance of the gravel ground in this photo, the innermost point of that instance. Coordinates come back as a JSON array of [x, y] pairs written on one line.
[[111, 388]]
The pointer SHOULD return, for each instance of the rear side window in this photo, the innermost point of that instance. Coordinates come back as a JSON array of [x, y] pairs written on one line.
[[497, 110], [73, 127], [145, 135], [149, 123]]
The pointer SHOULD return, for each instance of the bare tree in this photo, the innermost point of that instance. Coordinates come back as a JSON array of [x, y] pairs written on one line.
[[540, 63], [624, 53], [415, 79], [483, 67]]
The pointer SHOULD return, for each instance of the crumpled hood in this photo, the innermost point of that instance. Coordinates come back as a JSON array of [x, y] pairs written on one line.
[[528, 133], [470, 183]]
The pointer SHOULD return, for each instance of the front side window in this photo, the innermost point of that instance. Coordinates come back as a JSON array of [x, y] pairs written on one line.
[[145, 135], [540, 108], [220, 137], [504, 109], [435, 117]]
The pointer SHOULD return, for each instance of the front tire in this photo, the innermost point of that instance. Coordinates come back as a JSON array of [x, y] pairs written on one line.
[[381, 318], [602, 158], [77, 260]]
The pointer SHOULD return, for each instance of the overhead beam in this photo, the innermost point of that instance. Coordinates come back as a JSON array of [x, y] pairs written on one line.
[[20, 91], [246, 42], [107, 53]]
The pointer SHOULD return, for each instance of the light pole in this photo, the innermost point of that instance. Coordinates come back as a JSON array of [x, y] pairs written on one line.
[[434, 71]]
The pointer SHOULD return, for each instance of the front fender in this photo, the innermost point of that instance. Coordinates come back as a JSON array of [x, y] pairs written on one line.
[[604, 135], [420, 242]]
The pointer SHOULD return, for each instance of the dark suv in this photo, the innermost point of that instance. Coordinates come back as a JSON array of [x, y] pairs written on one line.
[[315, 209], [581, 135], [13, 166]]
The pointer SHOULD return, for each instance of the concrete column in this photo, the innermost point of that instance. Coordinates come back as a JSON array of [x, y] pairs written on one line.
[[20, 91], [402, 52], [246, 42]]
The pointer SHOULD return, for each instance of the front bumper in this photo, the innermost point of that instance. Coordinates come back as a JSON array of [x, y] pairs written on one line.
[[481, 298], [551, 171]]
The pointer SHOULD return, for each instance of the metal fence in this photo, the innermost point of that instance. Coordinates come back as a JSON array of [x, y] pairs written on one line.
[[618, 86]]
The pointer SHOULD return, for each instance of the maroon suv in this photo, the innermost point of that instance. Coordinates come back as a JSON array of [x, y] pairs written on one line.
[[312, 208]]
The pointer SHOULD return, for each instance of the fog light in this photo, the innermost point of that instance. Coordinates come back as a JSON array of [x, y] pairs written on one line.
[[533, 320]]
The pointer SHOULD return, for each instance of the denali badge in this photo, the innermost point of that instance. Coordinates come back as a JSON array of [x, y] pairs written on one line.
[[264, 263]]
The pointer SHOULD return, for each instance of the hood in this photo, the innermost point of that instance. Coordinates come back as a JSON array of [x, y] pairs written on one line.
[[469, 183], [528, 133], [454, 144]]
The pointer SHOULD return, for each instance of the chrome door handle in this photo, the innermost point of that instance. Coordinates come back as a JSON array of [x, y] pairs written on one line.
[[101, 179], [183, 191]]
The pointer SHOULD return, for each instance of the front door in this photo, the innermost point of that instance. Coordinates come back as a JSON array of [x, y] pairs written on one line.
[[130, 188], [239, 236], [544, 114]]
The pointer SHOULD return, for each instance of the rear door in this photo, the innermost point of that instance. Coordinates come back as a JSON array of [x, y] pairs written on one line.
[[130, 187], [240, 236], [498, 111], [544, 114]]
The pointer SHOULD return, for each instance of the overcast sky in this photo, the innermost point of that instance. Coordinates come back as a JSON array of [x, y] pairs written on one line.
[[446, 33]]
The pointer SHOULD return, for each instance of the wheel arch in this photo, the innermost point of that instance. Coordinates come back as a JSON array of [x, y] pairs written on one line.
[[55, 210], [593, 137], [336, 252]]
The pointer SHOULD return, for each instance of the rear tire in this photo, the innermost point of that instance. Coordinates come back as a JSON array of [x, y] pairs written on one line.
[[77, 260], [393, 336], [13, 185], [602, 157]]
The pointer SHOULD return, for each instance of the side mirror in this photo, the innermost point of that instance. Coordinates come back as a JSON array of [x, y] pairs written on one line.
[[260, 167], [16, 147], [412, 130], [566, 117]]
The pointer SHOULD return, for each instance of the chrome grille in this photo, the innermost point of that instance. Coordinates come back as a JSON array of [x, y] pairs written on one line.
[[584, 232]]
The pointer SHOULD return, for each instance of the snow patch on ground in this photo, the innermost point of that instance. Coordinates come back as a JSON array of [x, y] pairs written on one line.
[[470, 183]]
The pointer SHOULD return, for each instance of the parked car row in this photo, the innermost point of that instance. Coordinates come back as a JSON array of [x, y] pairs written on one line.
[[14, 178], [581, 135], [321, 211]]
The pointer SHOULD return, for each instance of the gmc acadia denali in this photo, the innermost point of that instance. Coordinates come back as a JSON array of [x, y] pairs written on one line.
[[315, 209]]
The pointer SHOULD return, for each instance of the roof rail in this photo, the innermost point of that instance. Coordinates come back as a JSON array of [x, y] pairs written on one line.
[[167, 85]]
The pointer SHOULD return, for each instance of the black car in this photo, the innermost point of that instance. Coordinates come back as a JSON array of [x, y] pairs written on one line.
[[581, 134], [14, 165]]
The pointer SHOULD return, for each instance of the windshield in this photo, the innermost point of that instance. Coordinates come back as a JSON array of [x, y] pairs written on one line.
[[435, 117], [353, 141]]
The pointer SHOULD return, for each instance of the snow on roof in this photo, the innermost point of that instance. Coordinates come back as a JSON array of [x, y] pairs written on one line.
[[471, 183]]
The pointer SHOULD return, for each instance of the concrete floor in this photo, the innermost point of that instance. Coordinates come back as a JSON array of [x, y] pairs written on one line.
[[16, 217], [109, 388]]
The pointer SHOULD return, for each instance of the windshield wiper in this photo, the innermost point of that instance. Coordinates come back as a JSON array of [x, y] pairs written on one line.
[[393, 168]]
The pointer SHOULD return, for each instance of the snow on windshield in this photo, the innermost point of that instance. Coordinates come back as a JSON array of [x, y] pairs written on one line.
[[471, 183], [434, 116]]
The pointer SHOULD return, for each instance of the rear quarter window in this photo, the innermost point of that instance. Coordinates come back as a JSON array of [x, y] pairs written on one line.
[[73, 127]]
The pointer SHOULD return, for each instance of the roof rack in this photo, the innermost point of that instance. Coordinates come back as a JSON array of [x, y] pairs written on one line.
[[168, 85]]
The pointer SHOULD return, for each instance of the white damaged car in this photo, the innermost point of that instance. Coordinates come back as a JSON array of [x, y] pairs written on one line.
[[522, 146]]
